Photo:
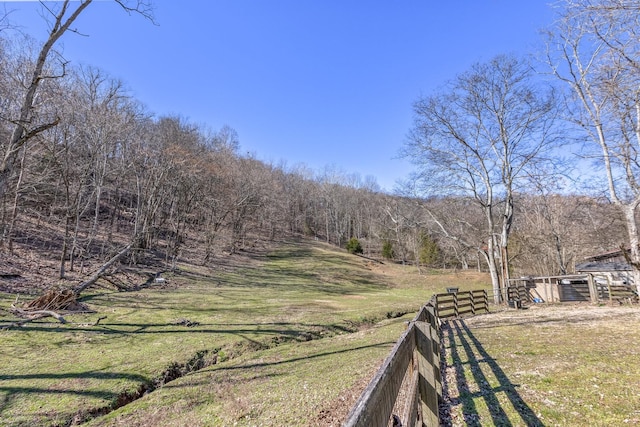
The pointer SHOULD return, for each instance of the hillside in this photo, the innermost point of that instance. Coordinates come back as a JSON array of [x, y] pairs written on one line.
[[282, 334]]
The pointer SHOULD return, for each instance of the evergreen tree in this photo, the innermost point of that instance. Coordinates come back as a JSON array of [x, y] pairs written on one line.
[[354, 246], [387, 250], [429, 251]]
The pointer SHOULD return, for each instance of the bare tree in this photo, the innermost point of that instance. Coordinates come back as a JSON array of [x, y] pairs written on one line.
[[28, 122], [478, 138], [15, 66], [555, 231], [594, 50], [396, 226], [459, 223]]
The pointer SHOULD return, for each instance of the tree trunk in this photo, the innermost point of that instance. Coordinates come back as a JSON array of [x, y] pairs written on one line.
[[634, 251], [490, 256], [20, 134], [504, 264], [91, 280]]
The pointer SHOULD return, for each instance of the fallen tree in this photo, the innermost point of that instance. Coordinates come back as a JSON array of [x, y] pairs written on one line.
[[55, 302], [99, 272]]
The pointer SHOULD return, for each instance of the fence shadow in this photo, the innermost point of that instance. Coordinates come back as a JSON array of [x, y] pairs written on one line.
[[475, 369]]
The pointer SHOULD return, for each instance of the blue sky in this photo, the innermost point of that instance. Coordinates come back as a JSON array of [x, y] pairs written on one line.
[[318, 82]]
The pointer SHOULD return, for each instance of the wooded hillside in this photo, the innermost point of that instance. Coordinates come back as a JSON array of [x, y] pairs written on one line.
[[92, 171]]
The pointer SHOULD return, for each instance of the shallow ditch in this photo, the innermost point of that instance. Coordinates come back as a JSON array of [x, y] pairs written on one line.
[[198, 361], [205, 358]]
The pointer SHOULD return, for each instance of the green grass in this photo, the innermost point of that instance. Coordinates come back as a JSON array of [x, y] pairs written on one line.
[[255, 317], [286, 385], [558, 365], [291, 338]]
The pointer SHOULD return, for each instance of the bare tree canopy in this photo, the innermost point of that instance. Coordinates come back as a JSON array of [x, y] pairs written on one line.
[[27, 124], [594, 50], [480, 137]]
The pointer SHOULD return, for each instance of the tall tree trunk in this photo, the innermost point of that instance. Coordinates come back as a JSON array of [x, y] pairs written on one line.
[[8, 237], [493, 271], [65, 239], [634, 251]]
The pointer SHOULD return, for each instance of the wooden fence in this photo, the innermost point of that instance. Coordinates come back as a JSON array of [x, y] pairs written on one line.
[[589, 287], [414, 367], [456, 304]]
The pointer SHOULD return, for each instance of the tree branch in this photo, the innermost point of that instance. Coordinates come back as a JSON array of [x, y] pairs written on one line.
[[91, 280]]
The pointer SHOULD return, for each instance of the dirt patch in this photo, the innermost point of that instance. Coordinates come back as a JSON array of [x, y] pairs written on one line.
[[376, 267], [24, 273], [32, 265]]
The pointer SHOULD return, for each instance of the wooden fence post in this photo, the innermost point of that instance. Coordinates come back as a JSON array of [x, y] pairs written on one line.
[[593, 290], [434, 323], [473, 303], [455, 304], [428, 382]]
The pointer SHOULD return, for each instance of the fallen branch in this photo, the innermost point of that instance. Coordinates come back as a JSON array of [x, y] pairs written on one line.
[[92, 280], [119, 286], [61, 299], [99, 319], [87, 325], [30, 316], [46, 313]]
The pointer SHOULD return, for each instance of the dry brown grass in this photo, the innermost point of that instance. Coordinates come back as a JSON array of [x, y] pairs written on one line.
[[549, 365]]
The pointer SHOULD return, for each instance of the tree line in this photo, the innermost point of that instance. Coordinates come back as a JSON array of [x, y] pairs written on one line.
[[87, 169]]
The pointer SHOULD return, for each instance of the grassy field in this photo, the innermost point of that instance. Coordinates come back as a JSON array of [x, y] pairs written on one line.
[[562, 365], [286, 337], [291, 336]]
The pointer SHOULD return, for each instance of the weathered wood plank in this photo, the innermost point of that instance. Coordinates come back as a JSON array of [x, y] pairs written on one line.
[[410, 414], [427, 382], [422, 341], [373, 408]]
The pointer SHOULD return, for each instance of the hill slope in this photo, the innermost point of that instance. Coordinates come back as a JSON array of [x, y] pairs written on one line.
[[285, 335]]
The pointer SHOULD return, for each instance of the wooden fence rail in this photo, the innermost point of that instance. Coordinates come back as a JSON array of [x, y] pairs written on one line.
[[414, 361], [593, 287], [458, 303]]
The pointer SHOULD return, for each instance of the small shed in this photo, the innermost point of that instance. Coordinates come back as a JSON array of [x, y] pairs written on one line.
[[607, 268], [574, 288]]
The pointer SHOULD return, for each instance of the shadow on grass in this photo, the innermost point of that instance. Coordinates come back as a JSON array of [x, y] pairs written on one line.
[[467, 351], [297, 331], [9, 392], [308, 270], [302, 358], [561, 319], [76, 375], [335, 281]]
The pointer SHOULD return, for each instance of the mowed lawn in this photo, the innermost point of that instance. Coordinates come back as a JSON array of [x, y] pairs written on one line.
[[288, 337]]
